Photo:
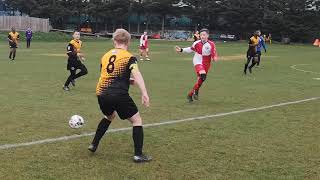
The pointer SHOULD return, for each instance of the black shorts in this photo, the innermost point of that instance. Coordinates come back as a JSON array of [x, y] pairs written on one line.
[[121, 103], [74, 64], [13, 45]]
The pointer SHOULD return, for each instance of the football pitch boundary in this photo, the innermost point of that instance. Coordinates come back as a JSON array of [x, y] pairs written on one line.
[[294, 67], [66, 138]]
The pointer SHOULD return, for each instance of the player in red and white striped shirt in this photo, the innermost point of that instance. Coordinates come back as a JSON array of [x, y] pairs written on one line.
[[144, 46], [204, 52]]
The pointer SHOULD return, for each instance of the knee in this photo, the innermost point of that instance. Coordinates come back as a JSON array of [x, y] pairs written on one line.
[[110, 117], [136, 120], [203, 77]]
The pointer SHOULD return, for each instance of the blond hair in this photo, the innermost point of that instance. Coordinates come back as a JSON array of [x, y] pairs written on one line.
[[121, 36]]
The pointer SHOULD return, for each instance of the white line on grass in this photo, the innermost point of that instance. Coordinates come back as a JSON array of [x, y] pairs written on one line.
[[297, 69], [65, 138]]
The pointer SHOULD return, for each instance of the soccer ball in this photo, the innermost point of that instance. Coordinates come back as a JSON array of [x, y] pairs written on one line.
[[76, 122]]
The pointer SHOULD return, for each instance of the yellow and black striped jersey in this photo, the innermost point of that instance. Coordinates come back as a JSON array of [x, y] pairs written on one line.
[[14, 36], [73, 48], [116, 67]]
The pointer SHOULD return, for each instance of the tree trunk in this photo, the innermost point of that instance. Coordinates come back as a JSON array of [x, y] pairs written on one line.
[[138, 27], [163, 22]]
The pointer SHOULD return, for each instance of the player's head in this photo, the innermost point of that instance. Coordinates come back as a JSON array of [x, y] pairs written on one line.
[[76, 35], [204, 34], [121, 37], [13, 29], [145, 32], [197, 32], [257, 33]]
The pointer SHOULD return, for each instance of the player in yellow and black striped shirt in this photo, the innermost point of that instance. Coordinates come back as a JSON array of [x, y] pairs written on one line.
[[75, 58], [252, 52], [117, 66], [13, 39]]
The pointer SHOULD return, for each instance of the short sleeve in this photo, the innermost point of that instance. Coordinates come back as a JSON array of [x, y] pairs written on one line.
[[133, 64]]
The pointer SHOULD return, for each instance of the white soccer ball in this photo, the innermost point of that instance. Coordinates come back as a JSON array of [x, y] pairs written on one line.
[[76, 122]]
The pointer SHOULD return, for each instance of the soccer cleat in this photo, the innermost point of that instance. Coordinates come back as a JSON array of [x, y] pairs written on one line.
[[141, 59], [73, 82], [148, 59], [66, 88], [196, 95], [190, 99], [141, 159], [92, 148]]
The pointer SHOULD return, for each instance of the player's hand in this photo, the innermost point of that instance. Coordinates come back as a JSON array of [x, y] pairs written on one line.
[[145, 100], [178, 49]]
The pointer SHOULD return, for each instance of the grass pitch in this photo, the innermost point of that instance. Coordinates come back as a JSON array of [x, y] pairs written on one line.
[[278, 143]]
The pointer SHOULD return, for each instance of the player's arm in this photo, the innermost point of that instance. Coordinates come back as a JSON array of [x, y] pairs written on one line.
[[10, 38], [71, 51], [138, 79], [184, 50]]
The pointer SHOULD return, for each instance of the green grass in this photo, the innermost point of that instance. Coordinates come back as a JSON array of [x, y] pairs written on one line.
[[278, 143]]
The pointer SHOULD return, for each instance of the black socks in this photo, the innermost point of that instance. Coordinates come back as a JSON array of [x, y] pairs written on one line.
[[137, 135]]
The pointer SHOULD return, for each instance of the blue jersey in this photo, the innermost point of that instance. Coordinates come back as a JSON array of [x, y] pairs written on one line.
[[261, 45]]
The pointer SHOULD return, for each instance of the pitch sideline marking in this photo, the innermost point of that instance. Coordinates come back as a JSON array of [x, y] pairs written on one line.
[[294, 68], [66, 138]]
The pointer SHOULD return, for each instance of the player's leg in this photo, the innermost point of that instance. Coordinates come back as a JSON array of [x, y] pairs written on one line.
[[202, 75], [254, 61], [28, 43], [107, 108], [259, 58], [249, 58], [147, 54], [141, 54], [69, 79], [10, 53], [138, 136], [83, 71], [14, 50], [127, 109]]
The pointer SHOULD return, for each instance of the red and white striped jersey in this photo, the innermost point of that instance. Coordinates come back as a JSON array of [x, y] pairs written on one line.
[[203, 52], [144, 40]]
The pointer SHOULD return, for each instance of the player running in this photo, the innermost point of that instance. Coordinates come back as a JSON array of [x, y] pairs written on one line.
[[205, 52], [117, 66], [75, 61], [144, 46], [13, 39], [261, 45], [252, 52]]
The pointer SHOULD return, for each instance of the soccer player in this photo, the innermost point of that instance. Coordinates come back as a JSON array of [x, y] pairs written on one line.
[[117, 66], [28, 37], [75, 58], [205, 52], [13, 39], [261, 45], [252, 52], [196, 36], [144, 46]]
